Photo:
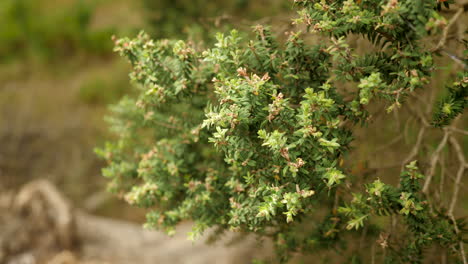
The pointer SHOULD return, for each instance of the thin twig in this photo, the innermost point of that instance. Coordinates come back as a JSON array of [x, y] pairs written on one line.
[[461, 170], [434, 159], [452, 21], [416, 147], [462, 185], [442, 179], [444, 39], [460, 244], [457, 130], [455, 58], [406, 128], [456, 188]]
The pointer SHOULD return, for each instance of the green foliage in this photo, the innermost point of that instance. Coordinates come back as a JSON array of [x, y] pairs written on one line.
[[250, 135], [453, 104], [423, 227], [31, 28]]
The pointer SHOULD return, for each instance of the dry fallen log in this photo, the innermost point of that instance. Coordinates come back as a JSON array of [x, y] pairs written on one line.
[[39, 225]]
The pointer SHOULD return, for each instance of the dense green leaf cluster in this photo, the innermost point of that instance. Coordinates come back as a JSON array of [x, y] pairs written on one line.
[[250, 135], [423, 227], [453, 104]]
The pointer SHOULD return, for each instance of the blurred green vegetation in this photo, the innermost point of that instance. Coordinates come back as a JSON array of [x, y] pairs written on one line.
[[52, 30], [33, 28], [59, 74], [179, 18]]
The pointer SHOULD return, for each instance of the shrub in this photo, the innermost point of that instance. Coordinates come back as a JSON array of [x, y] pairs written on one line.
[[250, 135]]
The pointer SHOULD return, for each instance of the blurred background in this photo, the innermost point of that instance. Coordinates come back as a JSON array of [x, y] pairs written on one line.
[[58, 74]]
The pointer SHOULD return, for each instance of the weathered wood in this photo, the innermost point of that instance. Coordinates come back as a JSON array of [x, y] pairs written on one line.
[[40, 226]]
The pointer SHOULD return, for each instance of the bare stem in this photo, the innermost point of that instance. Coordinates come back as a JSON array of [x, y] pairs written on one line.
[[461, 170], [456, 189], [444, 38], [416, 147], [433, 164]]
